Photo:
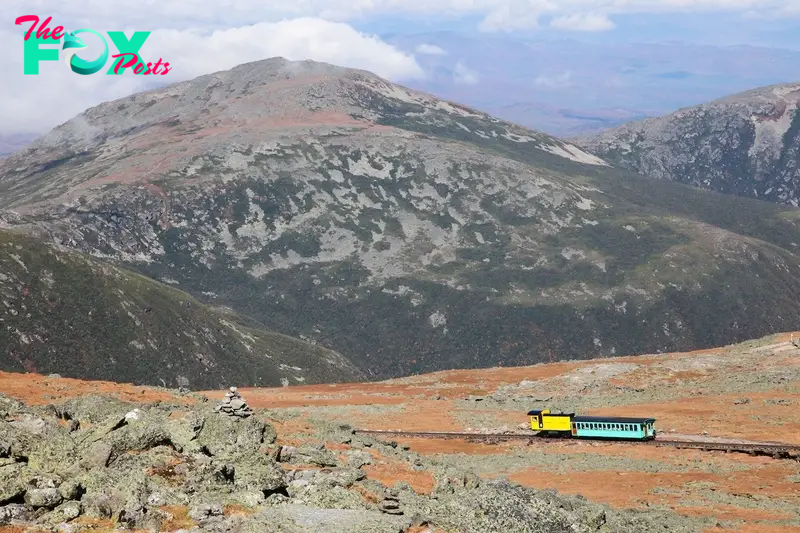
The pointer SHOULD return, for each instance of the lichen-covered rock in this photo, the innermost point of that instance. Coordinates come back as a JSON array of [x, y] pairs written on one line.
[[314, 455], [58, 454], [229, 436], [71, 489], [12, 487], [341, 477], [449, 480], [357, 459], [261, 474], [94, 408], [184, 432], [108, 493], [65, 512], [498, 506], [204, 511], [49, 497], [32, 436], [141, 434], [303, 519], [14, 512]]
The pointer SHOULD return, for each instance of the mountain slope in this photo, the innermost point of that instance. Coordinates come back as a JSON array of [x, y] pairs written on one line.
[[70, 314], [408, 233], [747, 145]]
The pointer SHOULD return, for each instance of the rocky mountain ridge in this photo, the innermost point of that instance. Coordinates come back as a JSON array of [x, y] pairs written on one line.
[[407, 233], [745, 144]]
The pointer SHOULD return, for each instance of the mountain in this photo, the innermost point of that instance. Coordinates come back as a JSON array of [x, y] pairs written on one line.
[[408, 233], [747, 144], [64, 312]]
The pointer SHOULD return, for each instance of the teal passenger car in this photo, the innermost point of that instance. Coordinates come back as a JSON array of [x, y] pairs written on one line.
[[600, 427]]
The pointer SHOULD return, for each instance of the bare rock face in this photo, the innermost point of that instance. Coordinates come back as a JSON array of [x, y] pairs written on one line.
[[396, 232], [746, 145]]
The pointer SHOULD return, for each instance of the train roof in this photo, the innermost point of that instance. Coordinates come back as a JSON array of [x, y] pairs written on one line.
[[536, 412], [613, 419]]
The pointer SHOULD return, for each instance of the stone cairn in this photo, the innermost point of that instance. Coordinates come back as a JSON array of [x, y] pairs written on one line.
[[234, 405], [390, 504]]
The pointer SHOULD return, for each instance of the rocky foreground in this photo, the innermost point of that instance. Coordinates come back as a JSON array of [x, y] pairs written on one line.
[[103, 464]]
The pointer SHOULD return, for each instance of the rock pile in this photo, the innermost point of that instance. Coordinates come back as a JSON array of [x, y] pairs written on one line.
[[234, 405], [391, 504]]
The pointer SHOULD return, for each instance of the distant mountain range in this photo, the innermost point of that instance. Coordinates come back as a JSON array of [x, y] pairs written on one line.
[[11, 143], [746, 144], [566, 87], [406, 232]]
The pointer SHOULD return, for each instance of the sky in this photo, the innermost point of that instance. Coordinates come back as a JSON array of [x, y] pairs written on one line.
[[201, 36]]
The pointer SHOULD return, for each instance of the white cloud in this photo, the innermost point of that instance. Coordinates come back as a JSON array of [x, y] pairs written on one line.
[[583, 22], [558, 81], [464, 75], [431, 50], [515, 15], [37, 103], [194, 53]]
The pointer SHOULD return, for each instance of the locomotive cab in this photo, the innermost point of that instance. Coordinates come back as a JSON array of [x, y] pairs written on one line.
[[546, 422]]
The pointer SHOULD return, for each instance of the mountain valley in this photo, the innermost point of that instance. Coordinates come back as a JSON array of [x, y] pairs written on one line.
[[407, 233]]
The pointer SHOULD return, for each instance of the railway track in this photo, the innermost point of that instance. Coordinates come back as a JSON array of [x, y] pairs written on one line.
[[776, 450]]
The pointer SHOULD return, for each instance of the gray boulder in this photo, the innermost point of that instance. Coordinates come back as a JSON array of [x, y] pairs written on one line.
[[49, 497]]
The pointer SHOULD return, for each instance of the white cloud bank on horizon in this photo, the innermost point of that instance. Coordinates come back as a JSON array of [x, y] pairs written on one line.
[[38, 103]]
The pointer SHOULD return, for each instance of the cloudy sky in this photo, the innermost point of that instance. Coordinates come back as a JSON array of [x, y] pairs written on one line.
[[202, 36]]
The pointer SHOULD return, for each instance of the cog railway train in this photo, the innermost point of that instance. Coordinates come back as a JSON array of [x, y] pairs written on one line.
[[593, 427]]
